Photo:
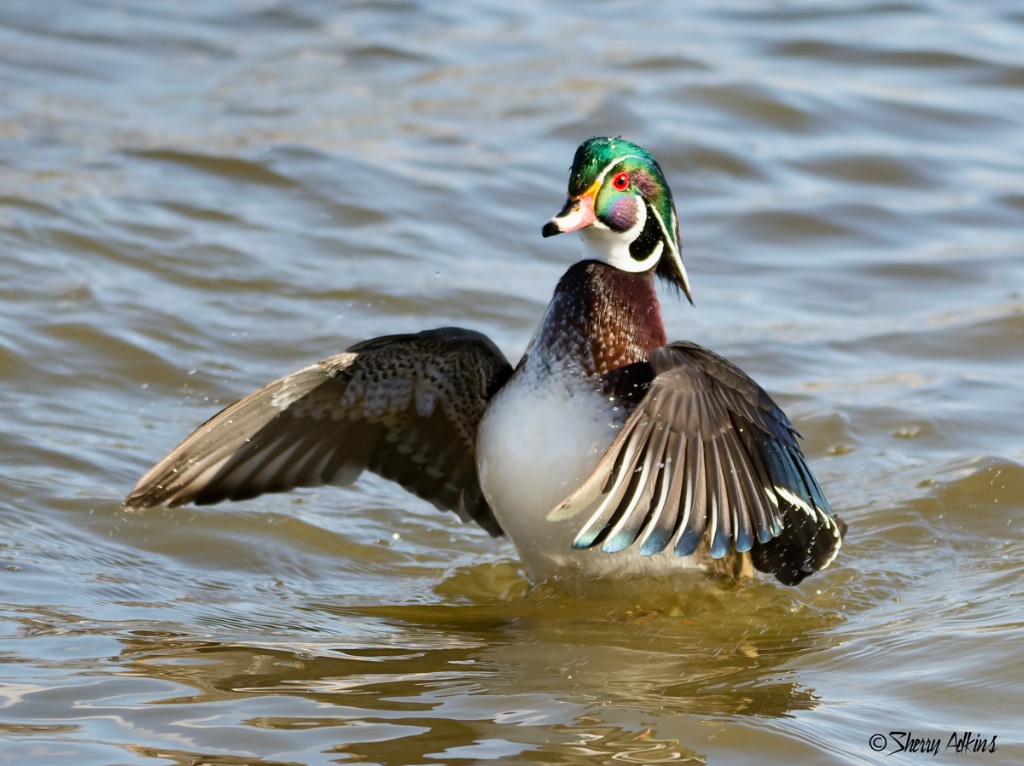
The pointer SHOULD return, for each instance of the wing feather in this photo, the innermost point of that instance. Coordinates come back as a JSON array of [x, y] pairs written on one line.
[[623, 463], [706, 461], [635, 512], [406, 407], [665, 503], [694, 502]]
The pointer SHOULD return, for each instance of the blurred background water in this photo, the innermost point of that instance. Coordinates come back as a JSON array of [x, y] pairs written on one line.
[[196, 198]]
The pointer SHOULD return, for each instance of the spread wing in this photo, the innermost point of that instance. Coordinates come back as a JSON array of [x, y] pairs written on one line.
[[707, 456], [406, 407]]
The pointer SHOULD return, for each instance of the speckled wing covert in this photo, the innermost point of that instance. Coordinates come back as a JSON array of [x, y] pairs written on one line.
[[406, 407], [707, 454]]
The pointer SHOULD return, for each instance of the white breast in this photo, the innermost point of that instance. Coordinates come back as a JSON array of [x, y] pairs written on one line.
[[541, 436]]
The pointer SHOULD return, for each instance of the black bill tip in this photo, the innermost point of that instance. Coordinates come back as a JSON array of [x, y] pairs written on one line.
[[550, 229]]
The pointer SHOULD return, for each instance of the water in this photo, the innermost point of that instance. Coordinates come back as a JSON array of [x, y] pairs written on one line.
[[198, 198]]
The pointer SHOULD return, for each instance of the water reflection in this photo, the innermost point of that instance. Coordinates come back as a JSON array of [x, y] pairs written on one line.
[[405, 688]]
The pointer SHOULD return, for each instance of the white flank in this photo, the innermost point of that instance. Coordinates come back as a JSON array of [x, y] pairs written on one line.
[[540, 438]]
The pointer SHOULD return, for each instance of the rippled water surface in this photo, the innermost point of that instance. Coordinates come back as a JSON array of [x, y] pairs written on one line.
[[196, 198]]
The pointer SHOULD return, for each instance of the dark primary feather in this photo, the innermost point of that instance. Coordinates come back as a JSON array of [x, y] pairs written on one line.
[[707, 456], [406, 407]]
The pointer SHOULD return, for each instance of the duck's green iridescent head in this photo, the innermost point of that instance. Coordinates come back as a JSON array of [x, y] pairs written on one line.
[[621, 204]]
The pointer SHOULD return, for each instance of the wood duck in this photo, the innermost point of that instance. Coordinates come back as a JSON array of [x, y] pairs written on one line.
[[608, 452]]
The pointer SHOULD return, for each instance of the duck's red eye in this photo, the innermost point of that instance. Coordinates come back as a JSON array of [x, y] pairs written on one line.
[[621, 181]]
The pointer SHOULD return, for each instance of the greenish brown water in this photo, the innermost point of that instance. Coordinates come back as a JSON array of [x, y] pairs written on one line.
[[198, 198]]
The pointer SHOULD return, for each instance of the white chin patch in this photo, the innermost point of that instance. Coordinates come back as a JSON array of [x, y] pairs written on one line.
[[612, 247]]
